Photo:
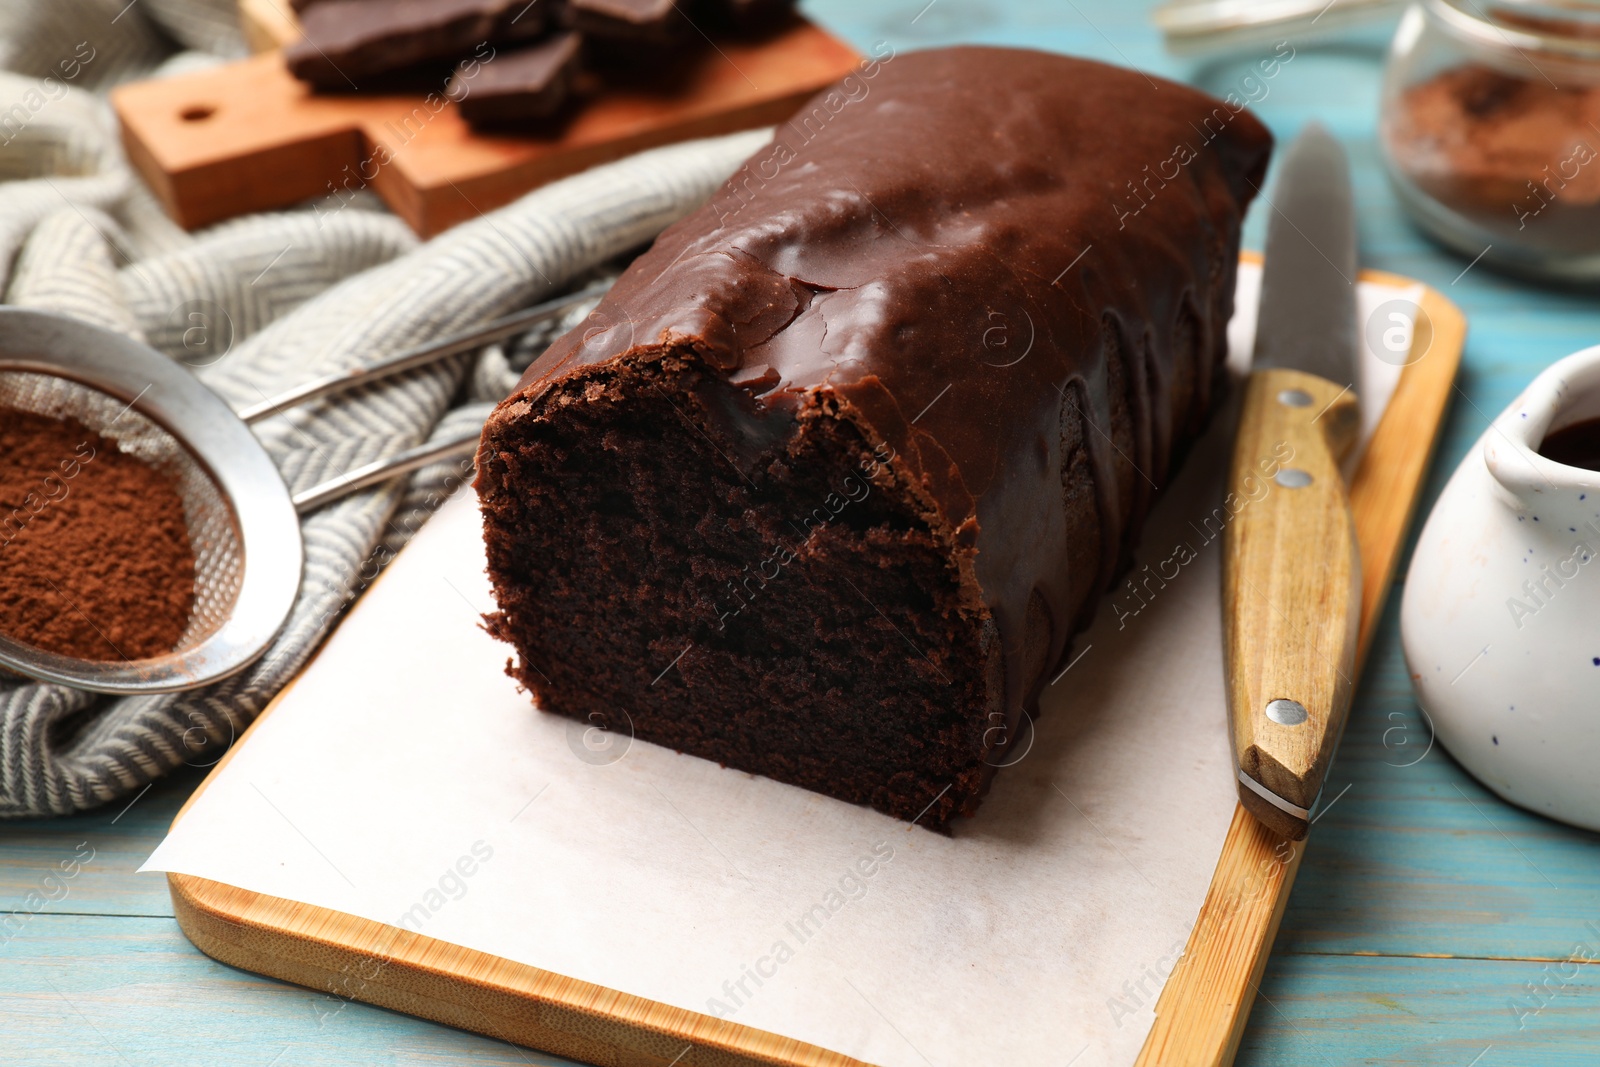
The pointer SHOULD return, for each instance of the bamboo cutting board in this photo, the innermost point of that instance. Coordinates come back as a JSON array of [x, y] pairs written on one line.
[[1202, 1009], [248, 137]]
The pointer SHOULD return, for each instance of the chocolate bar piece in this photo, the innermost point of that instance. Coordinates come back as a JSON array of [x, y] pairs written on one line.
[[827, 482], [622, 22], [515, 86], [347, 41], [748, 15]]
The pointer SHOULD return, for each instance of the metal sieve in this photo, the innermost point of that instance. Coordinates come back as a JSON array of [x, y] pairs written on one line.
[[243, 523]]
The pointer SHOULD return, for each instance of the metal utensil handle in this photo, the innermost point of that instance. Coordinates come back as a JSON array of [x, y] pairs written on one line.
[[1194, 27], [464, 443], [422, 355]]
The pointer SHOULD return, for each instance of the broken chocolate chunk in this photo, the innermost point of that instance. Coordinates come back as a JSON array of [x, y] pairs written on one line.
[[526, 84]]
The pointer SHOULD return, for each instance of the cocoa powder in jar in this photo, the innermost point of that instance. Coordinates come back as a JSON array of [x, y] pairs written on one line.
[[1518, 156]]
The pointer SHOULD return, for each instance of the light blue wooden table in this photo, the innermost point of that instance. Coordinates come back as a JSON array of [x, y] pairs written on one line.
[[1429, 920]]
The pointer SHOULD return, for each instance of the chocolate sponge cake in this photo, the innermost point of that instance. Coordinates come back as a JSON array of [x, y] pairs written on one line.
[[829, 480]]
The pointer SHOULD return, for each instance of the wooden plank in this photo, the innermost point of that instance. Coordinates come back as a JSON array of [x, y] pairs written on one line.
[[81, 987], [102, 850], [77, 990], [1338, 1010], [1419, 859], [247, 136], [1202, 1010]]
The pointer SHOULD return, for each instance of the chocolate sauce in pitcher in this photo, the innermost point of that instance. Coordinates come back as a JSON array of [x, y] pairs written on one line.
[[1577, 445]]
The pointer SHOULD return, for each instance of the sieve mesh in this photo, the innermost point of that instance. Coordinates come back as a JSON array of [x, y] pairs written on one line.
[[213, 527]]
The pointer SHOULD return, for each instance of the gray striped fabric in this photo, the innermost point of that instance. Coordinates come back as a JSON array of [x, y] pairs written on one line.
[[301, 293]]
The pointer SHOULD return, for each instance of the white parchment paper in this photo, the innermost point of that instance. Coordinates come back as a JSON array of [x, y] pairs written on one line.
[[405, 779]]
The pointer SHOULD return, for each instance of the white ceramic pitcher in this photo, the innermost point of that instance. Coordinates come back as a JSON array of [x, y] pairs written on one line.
[[1501, 615]]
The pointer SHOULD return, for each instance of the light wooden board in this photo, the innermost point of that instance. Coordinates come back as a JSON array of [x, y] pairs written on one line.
[[1201, 1013], [247, 136]]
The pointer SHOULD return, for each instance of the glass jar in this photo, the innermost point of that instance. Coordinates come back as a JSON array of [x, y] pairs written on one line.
[[1490, 129]]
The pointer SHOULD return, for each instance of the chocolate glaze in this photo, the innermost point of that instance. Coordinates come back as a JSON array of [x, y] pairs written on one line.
[[942, 250]]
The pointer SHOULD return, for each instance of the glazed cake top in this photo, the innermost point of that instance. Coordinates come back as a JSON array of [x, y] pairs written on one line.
[[934, 249]]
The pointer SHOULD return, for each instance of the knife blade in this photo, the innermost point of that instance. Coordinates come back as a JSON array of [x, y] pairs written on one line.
[[1291, 568], [1307, 316]]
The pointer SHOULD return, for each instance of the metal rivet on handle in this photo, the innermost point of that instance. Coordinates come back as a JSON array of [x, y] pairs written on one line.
[[1293, 478], [1286, 712], [1295, 398]]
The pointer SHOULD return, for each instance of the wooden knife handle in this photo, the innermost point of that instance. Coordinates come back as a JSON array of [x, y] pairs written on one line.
[[1291, 591]]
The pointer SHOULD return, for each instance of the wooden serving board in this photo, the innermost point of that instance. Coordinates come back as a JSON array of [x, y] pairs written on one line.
[[1200, 1014], [248, 137]]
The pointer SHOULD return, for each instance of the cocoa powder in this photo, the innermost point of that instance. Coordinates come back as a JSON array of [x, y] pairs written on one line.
[[1518, 156], [95, 560]]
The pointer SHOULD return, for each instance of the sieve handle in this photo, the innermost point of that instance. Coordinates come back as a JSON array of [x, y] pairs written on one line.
[[464, 443], [422, 355]]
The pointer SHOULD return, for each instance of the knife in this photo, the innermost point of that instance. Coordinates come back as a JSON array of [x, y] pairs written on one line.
[[1291, 567]]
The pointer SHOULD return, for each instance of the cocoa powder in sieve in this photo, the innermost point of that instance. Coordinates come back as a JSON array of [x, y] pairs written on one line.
[[95, 560]]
